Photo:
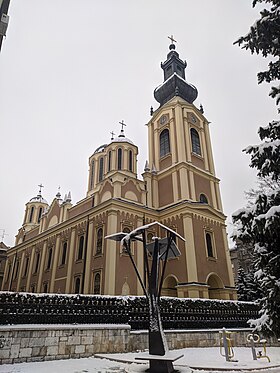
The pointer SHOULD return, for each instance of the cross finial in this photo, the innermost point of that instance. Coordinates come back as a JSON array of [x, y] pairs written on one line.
[[3, 234], [172, 39], [112, 135], [40, 190], [123, 124]]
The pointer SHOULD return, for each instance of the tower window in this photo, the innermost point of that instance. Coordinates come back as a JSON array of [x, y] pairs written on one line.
[[92, 175], [209, 245], [203, 198], [77, 285], [80, 248], [109, 161], [40, 214], [99, 241], [130, 160], [195, 142], [31, 214], [96, 283], [101, 169], [164, 143], [63, 254], [119, 159]]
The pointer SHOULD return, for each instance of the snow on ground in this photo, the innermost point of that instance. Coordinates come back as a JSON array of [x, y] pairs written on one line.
[[207, 359]]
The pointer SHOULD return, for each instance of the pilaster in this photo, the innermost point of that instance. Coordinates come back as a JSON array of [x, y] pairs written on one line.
[[88, 258], [70, 260], [41, 269], [190, 249], [213, 194], [30, 268], [55, 262], [111, 254], [139, 259], [22, 259]]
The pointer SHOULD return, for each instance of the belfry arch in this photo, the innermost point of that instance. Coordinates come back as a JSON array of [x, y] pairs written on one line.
[[215, 286], [169, 288]]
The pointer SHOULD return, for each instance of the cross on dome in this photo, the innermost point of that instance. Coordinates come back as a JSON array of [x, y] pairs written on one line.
[[122, 130], [40, 190], [112, 135], [172, 39]]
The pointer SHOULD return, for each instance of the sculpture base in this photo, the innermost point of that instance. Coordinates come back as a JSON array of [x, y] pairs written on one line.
[[160, 363]]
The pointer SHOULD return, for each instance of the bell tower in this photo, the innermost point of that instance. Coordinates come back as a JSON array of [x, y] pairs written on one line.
[[34, 211], [181, 165]]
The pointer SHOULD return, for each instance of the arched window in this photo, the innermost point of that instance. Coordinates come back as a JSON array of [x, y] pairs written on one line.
[[92, 175], [16, 271], [99, 241], [101, 169], [125, 230], [45, 287], [81, 248], [195, 141], [63, 254], [96, 283], [77, 285], [209, 245], [26, 266], [130, 160], [109, 161], [31, 214], [119, 159], [203, 198], [37, 262], [40, 214], [150, 237], [49, 262], [164, 143]]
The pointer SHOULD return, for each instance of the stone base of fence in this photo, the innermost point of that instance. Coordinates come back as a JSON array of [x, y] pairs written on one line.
[[25, 343]]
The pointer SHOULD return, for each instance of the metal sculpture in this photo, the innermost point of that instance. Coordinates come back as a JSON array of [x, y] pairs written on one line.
[[159, 250]]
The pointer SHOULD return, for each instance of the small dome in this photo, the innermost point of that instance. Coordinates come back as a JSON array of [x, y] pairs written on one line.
[[39, 199], [100, 148]]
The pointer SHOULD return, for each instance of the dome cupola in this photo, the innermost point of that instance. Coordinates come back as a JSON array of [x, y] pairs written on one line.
[[175, 83], [34, 210]]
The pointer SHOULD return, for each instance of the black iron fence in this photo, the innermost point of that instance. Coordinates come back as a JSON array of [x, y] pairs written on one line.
[[176, 313]]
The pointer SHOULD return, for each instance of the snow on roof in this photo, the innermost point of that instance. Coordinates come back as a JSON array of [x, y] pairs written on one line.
[[38, 198], [179, 77], [122, 139]]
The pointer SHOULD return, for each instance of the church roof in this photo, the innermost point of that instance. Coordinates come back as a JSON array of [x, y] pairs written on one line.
[[175, 83], [122, 138], [38, 198]]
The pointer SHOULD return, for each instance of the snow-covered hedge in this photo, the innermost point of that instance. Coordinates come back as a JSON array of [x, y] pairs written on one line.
[[177, 313]]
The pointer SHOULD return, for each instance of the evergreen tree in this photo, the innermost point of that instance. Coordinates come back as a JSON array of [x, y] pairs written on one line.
[[259, 223], [264, 38], [248, 288]]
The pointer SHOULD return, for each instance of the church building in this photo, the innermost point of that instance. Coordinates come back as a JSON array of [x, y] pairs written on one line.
[[61, 247]]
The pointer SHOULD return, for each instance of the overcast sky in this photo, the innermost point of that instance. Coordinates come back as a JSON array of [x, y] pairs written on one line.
[[71, 70]]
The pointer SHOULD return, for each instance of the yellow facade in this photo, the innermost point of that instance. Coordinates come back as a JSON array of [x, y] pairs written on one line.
[[64, 250]]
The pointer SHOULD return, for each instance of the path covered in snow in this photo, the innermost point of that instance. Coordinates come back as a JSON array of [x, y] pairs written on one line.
[[195, 360]]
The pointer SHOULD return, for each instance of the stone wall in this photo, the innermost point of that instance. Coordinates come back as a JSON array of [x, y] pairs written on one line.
[[187, 338], [24, 343], [20, 343]]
